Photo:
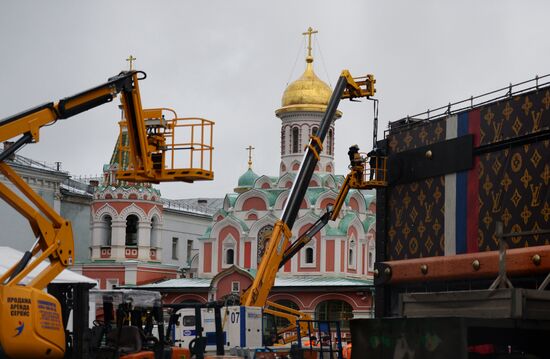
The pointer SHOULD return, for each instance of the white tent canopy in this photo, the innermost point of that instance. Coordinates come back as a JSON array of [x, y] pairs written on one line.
[[10, 256]]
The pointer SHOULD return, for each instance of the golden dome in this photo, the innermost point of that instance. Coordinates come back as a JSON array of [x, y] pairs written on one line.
[[306, 93]]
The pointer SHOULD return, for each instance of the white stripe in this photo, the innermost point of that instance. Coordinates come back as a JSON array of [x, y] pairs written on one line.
[[450, 194], [452, 127]]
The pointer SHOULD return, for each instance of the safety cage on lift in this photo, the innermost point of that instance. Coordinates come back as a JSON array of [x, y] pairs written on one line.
[[179, 149], [370, 172], [376, 172]]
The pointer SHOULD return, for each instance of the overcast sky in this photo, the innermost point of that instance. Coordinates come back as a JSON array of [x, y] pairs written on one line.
[[230, 61]]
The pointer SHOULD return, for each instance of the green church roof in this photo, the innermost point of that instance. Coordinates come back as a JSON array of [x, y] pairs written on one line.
[[207, 233], [346, 221], [241, 222], [220, 212], [231, 199], [369, 221], [272, 194], [313, 194], [334, 231], [369, 198], [247, 179]]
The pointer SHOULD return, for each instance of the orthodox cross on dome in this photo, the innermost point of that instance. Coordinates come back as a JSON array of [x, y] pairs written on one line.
[[131, 60], [249, 149], [309, 32]]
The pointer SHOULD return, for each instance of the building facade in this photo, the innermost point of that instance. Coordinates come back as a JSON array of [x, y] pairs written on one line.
[[123, 234], [331, 277], [137, 237], [68, 198]]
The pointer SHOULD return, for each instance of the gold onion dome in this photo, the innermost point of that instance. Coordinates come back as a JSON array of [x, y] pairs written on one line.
[[309, 92]]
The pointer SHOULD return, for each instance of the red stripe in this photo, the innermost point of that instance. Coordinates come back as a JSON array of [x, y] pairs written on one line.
[[472, 223]]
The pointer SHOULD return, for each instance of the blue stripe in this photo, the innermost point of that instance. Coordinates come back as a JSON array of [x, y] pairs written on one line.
[[461, 188], [462, 124], [242, 323], [461, 192]]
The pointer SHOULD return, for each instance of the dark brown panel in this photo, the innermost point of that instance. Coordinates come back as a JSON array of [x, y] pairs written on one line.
[[430, 161]]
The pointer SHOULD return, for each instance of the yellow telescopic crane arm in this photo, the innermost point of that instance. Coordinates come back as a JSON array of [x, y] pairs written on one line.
[[53, 232], [31, 319], [256, 294], [272, 260]]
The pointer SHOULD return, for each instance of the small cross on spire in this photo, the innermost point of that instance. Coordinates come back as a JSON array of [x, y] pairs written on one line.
[[131, 60], [309, 32], [249, 149]]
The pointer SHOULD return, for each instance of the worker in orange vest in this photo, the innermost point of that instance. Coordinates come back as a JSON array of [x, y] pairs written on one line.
[[346, 351], [312, 342]]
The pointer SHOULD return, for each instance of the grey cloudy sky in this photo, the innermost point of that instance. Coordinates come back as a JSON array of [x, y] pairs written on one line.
[[230, 61]]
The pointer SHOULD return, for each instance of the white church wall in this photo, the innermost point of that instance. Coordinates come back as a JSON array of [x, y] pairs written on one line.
[[184, 227]]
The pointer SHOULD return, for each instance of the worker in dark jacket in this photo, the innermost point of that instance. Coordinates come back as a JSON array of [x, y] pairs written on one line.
[[354, 155], [374, 162]]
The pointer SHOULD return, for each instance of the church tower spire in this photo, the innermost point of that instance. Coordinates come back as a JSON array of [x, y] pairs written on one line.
[[303, 103], [246, 181], [309, 32], [249, 149]]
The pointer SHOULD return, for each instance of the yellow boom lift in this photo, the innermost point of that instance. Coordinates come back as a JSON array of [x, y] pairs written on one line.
[[279, 249], [31, 320]]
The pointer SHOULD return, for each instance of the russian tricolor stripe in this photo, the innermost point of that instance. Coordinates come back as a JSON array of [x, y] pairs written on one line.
[[461, 191]]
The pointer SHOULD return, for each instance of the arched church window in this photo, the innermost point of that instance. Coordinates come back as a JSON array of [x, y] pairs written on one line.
[[229, 245], [295, 140], [155, 232], [132, 230], [283, 142], [264, 234], [309, 255], [108, 230], [314, 131], [330, 142], [336, 310], [229, 256], [351, 253], [371, 256]]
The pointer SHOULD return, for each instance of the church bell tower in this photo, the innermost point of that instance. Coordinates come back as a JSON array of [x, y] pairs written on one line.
[[302, 107]]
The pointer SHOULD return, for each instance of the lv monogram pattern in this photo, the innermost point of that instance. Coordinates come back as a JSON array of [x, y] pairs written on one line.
[[512, 183], [416, 210], [518, 116]]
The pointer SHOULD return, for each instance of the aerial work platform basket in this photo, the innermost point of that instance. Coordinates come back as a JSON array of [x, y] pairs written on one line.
[[177, 149], [368, 172], [375, 174]]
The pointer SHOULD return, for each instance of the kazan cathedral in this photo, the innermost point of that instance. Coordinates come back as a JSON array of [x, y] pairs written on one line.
[[331, 277]]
